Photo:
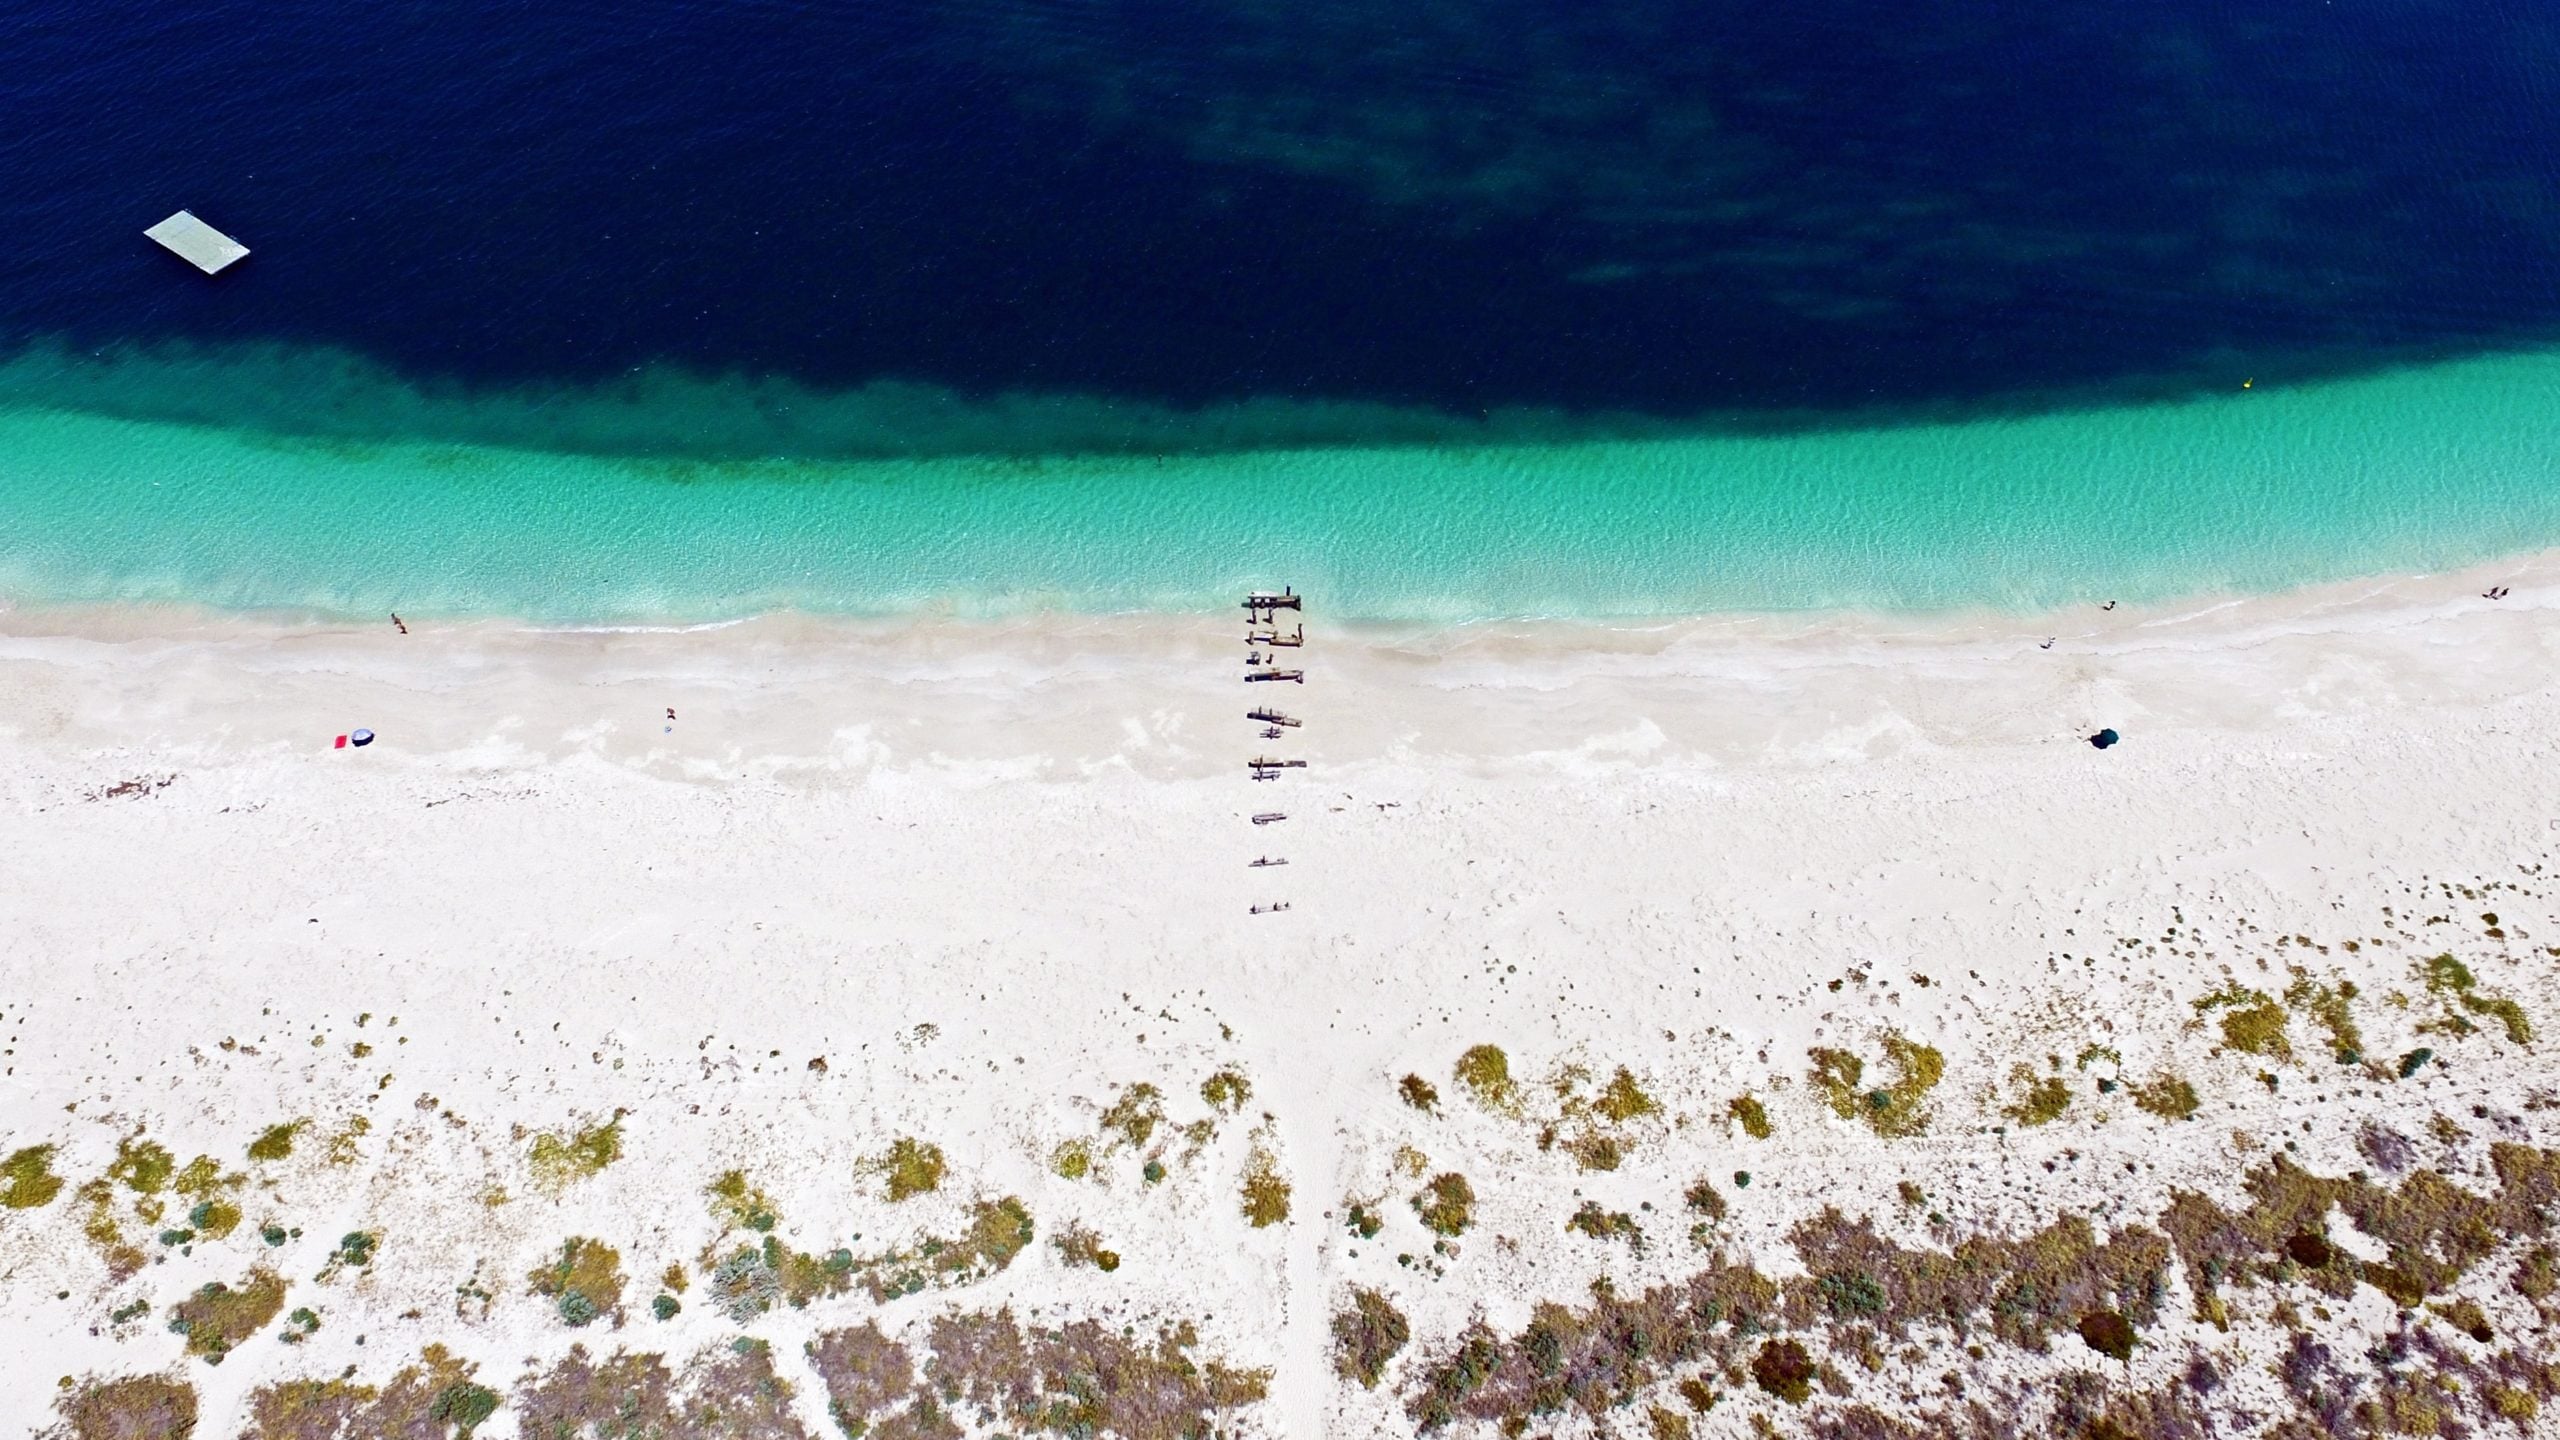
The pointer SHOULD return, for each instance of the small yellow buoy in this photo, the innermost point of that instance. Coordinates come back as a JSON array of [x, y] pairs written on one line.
[[2245, 384]]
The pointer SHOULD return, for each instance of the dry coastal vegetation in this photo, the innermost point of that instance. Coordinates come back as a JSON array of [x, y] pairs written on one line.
[[1894, 1231]]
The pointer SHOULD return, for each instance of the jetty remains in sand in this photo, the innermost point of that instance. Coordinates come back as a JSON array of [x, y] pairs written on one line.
[[1262, 629], [197, 243]]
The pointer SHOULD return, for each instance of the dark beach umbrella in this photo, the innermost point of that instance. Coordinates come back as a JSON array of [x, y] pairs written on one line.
[[2104, 738]]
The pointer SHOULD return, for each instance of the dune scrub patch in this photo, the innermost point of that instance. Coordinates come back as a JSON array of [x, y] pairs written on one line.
[[1708, 1204], [584, 1284], [1591, 1126], [1079, 1247], [276, 1142], [435, 1396], [2433, 1231], [866, 1376], [746, 1281], [142, 1166], [100, 1226], [2041, 1098], [128, 1407], [998, 1230], [1593, 1222], [1083, 1378], [1072, 1160], [1368, 1332], [730, 1391], [346, 1142], [27, 1180], [738, 1205], [215, 1211], [2331, 1006], [1226, 1092], [218, 1317], [1484, 1073], [1263, 1195], [561, 1159], [1896, 1109], [1446, 1205], [2101, 1292], [1747, 1112], [2251, 1021], [750, 1279], [1725, 1316], [1131, 1119], [2168, 1096], [354, 1251], [2452, 982], [910, 1167]]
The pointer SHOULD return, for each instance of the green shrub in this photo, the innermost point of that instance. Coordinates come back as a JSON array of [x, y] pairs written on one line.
[[1893, 1110], [1623, 1100], [913, 1167], [2168, 1096], [1226, 1092], [2044, 1101], [1264, 1195], [27, 1180], [559, 1161], [1447, 1204], [1602, 1224], [276, 1141], [1753, 1116], [1135, 1115], [1485, 1073], [142, 1166], [218, 1317], [2108, 1333], [583, 1284], [1367, 1333], [1784, 1369], [1851, 1294]]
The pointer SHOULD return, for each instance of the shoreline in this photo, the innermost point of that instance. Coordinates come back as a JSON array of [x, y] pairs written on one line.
[[831, 701], [2533, 569]]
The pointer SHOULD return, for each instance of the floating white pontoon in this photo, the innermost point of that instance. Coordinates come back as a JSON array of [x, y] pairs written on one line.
[[197, 243]]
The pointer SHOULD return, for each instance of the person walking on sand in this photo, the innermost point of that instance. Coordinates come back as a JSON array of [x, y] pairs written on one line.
[[397, 624]]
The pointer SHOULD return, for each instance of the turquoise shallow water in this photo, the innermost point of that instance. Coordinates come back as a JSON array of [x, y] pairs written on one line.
[[2258, 489]]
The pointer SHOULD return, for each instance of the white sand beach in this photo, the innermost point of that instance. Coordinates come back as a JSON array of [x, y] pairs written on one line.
[[967, 884]]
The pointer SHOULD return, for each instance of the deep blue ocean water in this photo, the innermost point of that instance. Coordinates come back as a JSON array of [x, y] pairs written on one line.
[[1670, 208]]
